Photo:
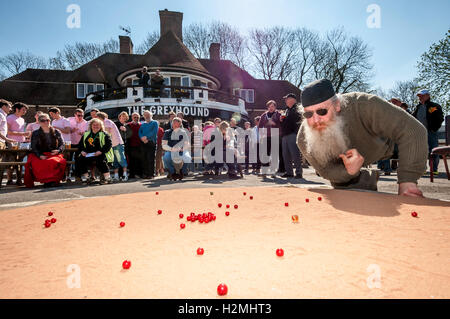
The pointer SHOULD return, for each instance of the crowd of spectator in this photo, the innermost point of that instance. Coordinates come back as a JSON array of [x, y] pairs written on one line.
[[146, 148]]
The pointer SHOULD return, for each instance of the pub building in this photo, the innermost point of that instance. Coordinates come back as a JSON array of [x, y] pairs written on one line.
[[200, 88]]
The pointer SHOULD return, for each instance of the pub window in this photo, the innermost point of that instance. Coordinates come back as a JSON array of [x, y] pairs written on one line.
[[167, 90], [185, 81], [90, 88], [248, 95], [84, 89], [99, 87], [81, 92]]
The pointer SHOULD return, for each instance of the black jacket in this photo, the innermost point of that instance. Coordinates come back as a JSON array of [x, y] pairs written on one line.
[[435, 116], [291, 123], [143, 78], [157, 82], [41, 143], [85, 146]]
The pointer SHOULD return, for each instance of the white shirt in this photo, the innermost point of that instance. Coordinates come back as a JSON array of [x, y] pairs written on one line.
[[3, 125]]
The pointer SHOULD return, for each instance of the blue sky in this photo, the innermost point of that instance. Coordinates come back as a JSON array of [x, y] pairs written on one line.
[[407, 29]]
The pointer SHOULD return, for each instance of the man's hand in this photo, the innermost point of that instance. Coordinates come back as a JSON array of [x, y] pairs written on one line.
[[409, 189], [83, 153], [353, 161], [43, 157], [98, 153], [54, 152], [144, 139]]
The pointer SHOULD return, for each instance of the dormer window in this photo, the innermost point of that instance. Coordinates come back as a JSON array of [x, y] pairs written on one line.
[[248, 95], [84, 89]]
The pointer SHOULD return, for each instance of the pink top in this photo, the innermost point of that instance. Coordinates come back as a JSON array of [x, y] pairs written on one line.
[[16, 124], [112, 129], [3, 125], [81, 127], [61, 124], [207, 131], [33, 127]]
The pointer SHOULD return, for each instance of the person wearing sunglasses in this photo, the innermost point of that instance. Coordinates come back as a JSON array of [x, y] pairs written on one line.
[[45, 163], [341, 135], [78, 126]]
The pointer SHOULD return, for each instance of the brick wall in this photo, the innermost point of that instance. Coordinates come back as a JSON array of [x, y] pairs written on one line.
[[66, 111]]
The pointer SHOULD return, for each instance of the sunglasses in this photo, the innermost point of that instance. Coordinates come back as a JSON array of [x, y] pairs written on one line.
[[320, 112], [79, 115], [43, 121]]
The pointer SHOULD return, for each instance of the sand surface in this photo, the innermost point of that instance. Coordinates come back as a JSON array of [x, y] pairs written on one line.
[[349, 245]]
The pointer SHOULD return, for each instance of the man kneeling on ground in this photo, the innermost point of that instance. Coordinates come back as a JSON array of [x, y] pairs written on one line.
[[342, 133]]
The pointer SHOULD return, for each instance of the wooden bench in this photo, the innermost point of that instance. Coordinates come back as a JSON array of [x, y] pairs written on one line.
[[7, 164]]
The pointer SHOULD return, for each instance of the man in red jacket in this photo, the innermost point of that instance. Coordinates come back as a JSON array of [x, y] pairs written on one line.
[[135, 166]]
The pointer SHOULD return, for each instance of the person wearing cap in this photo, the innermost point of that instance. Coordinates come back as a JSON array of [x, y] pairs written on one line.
[[290, 123], [342, 134], [431, 116]]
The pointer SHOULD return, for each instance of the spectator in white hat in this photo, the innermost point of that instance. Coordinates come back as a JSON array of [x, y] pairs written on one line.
[[431, 116]]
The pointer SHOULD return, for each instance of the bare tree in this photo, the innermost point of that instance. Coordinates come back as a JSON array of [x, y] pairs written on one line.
[[274, 52], [380, 92], [434, 71], [198, 38], [405, 91], [75, 55], [57, 62], [150, 40], [346, 63], [308, 55], [14, 63]]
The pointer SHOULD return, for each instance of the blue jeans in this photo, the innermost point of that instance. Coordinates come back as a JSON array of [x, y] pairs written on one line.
[[119, 156], [433, 141], [168, 162], [385, 165]]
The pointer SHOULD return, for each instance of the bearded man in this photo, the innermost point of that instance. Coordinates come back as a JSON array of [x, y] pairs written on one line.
[[342, 134]]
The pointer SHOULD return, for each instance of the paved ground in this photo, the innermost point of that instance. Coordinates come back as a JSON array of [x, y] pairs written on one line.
[[13, 196]]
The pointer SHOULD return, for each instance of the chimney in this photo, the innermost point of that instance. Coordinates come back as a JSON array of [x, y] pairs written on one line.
[[214, 51], [171, 20], [126, 45]]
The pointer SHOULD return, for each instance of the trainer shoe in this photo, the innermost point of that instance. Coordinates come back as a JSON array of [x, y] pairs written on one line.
[[125, 178]]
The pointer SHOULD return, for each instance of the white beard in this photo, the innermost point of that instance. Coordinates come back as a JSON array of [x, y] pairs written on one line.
[[325, 146]]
